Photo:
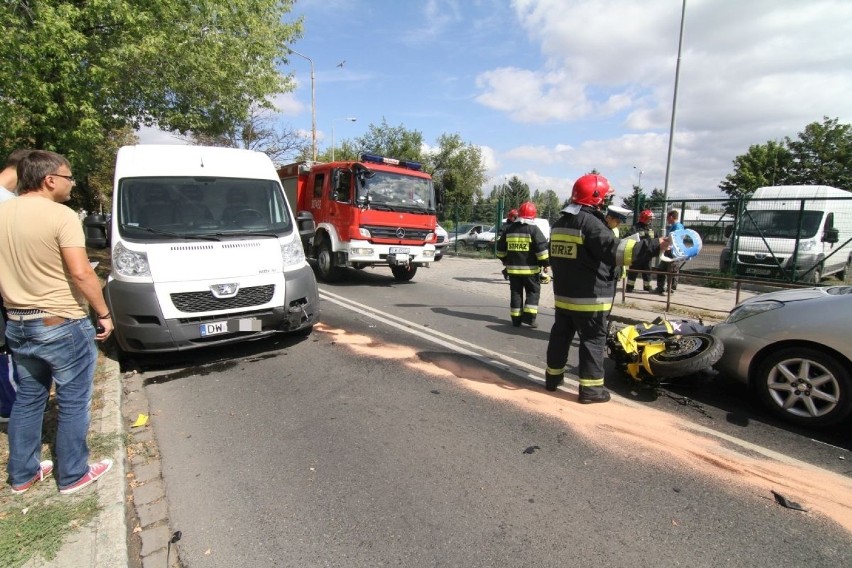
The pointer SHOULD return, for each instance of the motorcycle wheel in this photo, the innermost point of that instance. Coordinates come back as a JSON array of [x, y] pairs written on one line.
[[686, 355]]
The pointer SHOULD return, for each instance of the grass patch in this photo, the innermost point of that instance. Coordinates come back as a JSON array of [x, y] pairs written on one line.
[[39, 527]]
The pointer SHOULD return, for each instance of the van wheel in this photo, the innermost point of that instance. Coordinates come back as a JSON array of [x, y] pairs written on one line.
[[328, 272], [843, 273], [404, 273], [815, 277]]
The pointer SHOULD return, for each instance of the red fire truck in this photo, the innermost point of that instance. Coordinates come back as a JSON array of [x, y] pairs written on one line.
[[376, 211]]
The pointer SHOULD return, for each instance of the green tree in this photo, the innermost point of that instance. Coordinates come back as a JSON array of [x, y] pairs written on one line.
[[260, 131], [636, 201], [763, 164], [391, 141], [75, 72], [547, 204], [822, 155], [458, 172], [513, 193]]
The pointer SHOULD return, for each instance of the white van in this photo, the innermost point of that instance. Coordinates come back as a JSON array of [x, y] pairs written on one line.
[[767, 246], [205, 250]]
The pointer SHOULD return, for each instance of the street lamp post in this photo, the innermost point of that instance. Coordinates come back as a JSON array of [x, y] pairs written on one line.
[[639, 183], [350, 119], [313, 104]]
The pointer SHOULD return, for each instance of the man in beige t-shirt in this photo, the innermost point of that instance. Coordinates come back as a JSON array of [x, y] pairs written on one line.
[[46, 282]]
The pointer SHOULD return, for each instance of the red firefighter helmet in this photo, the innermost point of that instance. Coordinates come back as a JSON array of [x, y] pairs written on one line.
[[527, 210], [646, 216], [590, 189], [512, 216]]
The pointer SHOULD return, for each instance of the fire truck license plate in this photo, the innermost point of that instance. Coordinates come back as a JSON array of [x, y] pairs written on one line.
[[226, 326], [399, 250]]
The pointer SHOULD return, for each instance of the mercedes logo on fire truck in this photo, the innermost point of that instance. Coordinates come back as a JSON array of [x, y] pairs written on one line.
[[400, 233]]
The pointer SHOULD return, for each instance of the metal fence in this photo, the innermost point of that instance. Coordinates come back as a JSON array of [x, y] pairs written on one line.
[[786, 240], [794, 240]]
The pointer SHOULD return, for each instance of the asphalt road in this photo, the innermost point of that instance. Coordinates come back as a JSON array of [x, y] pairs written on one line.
[[410, 430]]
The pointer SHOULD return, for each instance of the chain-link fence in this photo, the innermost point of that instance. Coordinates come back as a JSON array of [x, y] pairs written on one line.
[[801, 235], [791, 237]]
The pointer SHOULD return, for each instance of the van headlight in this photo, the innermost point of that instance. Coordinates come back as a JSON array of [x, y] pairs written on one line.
[[130, 263], [292, 254], [807, 246]]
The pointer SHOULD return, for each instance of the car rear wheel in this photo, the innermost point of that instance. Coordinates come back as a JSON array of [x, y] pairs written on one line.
[[805, 386]]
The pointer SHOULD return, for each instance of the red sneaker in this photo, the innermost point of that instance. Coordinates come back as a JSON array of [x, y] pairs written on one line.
[[96, 470], [44, 470]]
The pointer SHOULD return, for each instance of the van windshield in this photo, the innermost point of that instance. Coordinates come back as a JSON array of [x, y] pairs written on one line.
[[198, 207], [780, 224]]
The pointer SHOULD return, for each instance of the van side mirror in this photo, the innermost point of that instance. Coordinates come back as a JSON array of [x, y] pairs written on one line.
[[831, 236], [729, 230]]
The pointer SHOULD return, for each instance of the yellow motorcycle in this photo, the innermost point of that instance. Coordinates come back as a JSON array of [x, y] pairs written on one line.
[[650, 353]]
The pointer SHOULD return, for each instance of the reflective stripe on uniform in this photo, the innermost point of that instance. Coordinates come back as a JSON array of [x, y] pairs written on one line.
[[591, 382], [624, 254], [552, 371], [523, 270], [583, 304]]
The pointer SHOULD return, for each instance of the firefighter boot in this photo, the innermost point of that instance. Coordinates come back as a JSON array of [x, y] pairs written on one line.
[[589, 395], [551, 382], [516, 321], [529, 319]]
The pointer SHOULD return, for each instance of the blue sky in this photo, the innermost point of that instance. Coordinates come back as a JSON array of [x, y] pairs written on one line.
[[550, 89]]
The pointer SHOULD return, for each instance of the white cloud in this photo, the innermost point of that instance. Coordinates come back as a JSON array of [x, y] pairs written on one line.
[[750, 72]]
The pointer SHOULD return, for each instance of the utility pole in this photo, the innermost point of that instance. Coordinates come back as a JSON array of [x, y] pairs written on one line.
[[313, 104]]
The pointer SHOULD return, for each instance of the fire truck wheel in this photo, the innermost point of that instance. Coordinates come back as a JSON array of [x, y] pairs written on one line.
[[404, 273], [325, 263]]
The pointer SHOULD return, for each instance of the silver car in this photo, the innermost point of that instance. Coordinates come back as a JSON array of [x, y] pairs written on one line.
[[793, 348]]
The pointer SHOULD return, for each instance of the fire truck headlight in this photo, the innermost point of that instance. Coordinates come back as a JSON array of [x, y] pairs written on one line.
[[364, 233], [292, 254], [361, 251]]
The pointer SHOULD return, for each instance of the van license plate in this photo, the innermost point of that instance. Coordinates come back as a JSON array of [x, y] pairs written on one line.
[[758, 271], [399, 250], [226, 326]]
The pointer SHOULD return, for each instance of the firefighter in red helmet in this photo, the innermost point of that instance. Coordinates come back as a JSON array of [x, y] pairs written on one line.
[[644, 229], [522, 248], [583, 254]]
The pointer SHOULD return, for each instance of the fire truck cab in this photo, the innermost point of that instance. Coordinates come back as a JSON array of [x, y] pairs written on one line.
[[376, 211]]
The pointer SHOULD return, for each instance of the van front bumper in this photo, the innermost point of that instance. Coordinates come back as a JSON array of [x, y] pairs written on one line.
[[141, 327]]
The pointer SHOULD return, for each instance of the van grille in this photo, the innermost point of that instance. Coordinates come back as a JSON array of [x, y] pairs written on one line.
[[192, 302], [766, 260]]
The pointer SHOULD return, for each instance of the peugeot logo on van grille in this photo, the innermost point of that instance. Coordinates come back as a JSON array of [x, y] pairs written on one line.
[[400, 233], [225, 290]]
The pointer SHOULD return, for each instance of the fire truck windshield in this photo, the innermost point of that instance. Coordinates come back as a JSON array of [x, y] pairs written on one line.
[[388, 190]]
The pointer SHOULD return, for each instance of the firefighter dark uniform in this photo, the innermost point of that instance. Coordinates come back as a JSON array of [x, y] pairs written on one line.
[[522, 248], [645, 231], [583, 254]]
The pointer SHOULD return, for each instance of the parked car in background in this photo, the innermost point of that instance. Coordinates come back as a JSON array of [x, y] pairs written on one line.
[[441, 243], [793, 348], [472, 236]]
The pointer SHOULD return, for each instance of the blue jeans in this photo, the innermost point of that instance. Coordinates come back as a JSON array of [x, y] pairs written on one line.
[[64, 354]]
